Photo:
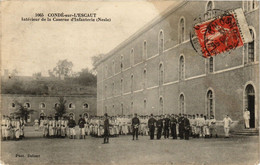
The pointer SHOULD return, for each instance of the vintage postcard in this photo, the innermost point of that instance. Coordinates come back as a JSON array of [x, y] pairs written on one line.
[[129, 82]]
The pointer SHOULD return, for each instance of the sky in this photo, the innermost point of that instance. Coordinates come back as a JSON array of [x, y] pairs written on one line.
[[36, 46]]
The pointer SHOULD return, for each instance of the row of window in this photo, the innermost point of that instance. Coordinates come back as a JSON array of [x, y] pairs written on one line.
[[249, 51], [249, 48], [210, 107], [43, 105]]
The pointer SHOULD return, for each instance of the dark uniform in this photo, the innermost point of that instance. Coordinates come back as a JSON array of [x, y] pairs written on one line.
[[159, 125], [173, 123], [151, 125], [81, 124], [135, 126], [106, 130], [181, 127], [166, 122], [186, 124]]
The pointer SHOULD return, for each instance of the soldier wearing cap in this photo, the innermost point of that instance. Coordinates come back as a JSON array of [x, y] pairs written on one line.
[[159, 125], [173, 123], [135, 126], [72, 125], [106, 129], [151, 125], [181, 126], [186, 124], [62, 128], [166, 127], [81, 124]]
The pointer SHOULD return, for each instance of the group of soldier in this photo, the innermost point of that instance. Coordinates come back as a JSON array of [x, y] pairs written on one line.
[[182, 126], [12, 128]]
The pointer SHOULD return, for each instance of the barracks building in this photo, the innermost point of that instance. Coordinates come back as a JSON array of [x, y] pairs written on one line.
[[157, 70], [44, 105]]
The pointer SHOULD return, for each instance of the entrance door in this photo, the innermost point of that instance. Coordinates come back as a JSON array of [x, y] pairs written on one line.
[[251, 108]]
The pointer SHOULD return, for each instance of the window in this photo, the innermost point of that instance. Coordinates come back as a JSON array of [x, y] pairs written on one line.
[[251, 48], [132, 83], [122, 108], [161, 106], [85, 106], [211, 64], [181, 104], [181, 68], [114, 67], [161, 42], [181, 30], [42, 105], [145, 50], [144, 79], [160, 74], [132, 58], [250, 5], [13, 105], [71, 106], [27, 105], [209, 13], [113, 88], [56, 105], [122, 90], [145, 105], [121, 64], [210, 109]]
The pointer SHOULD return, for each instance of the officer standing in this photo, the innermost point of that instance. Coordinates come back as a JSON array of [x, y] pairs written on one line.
[[106, 129], [72, 125], [186, 125], [81, 124], [135, 126], [159, 124], [151, 125], [166, 127], [173, 123], [181, 126]]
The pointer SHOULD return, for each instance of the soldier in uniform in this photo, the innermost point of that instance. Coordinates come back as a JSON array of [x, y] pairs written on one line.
[[62, 128], [51, 133], [58, 127], [212, 126], [72, 125], [186, 124], [17, 128], [22, 122], [106, 129], [45, 124], [159, 125], [81, 124], [151, 125], [135, 126], [173, 123], [181, 126], [166, 121]]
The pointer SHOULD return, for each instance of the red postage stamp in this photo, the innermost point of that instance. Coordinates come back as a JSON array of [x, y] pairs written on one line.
[[218, 35]]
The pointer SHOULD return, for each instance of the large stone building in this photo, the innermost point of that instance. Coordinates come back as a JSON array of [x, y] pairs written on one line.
[[157, 71], [44, 105]]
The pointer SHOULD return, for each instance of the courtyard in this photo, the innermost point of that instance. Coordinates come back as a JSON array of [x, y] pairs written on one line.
[[123, 150]]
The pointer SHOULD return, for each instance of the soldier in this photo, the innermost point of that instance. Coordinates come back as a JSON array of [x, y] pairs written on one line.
[[86, 125], [36, 124], [181, 126], [173, 123], [135, 126], [186, 124], [50, 124], [45, 124], [81, 124], [62, 128], [151, 125], [22, 123], [227, 123], [58, 127], [159, 125], [198, 129], [212, 126], [193, 126], [206, 127], [166, 127], [17, 128], [3, 125], [106, 129], [72, 125]]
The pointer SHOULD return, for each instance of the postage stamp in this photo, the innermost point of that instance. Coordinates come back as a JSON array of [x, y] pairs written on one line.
[[222, 33]]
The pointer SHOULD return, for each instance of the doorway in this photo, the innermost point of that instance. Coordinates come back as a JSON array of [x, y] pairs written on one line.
[[250, 101]]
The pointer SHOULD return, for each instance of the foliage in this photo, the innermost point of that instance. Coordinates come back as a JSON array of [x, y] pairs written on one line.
[[61, 108], [23, 111], [63, 68]]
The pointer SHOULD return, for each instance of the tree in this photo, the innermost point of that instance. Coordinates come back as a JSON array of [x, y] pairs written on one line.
[[95, 60], [23, 111], [37, 75], [86, 77], [61, 108], [63, 69]]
